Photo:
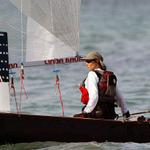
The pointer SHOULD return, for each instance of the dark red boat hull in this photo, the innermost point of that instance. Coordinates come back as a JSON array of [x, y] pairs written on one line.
[[29, 128]]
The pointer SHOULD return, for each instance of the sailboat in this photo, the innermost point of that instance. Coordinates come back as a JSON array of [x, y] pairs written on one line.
[[44, 32]]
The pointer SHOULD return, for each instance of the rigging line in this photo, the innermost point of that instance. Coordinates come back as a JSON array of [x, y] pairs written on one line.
[[142, 112], [59, 91], [12, 87], [51, 21], [138, 113], [22, 77], [21, 19], [57, 78], [21, 72], [57, 84]]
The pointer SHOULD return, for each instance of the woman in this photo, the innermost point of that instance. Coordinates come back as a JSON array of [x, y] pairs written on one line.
[[98, 103]]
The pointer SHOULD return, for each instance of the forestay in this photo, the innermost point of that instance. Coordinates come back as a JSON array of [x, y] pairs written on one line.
[[40, 29]]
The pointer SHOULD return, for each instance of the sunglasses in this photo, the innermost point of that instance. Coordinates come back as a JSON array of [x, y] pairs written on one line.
[[89, 61]]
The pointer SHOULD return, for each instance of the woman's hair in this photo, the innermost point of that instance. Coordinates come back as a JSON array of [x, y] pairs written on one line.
[[103, 66]]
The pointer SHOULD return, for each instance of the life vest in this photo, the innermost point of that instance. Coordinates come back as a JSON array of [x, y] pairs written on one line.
[[107, 87]]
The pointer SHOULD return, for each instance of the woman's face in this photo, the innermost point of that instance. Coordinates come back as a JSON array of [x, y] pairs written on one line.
[[91, 65]]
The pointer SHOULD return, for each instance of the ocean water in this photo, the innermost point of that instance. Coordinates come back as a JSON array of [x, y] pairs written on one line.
[[120, 30]]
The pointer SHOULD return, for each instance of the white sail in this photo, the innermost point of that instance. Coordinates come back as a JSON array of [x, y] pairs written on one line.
[[49, 48], [38, 30], [51, 28]]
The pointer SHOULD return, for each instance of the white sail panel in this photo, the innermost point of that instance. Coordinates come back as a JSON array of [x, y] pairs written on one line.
[[57, 21], [43, 45]]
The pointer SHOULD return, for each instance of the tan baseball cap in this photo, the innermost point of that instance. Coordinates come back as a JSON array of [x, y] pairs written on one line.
[[93, 55]]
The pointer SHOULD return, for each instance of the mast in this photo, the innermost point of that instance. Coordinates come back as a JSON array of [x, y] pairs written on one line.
[[4, 74]]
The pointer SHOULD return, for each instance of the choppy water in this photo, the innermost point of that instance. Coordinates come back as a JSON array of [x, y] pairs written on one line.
[[76, 146], [120, 29]]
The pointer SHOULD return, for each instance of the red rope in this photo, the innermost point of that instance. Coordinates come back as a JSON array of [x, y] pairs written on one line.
[[22, 77], [12, 87], [60, 95]]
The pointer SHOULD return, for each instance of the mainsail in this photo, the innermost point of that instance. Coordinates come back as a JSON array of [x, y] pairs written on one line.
[[45, 29], [39, 31]]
